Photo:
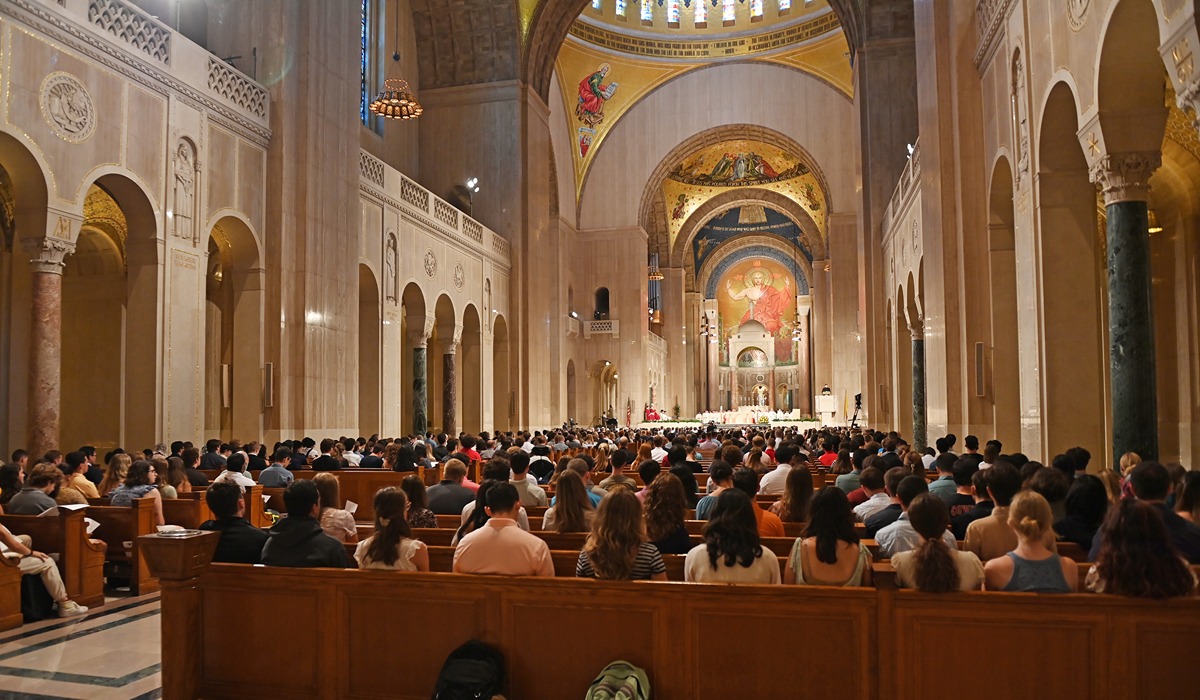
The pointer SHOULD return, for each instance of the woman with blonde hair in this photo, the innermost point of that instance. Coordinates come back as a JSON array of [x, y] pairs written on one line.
[[1129, 460], [337, 523], [392, 546], [616, 548], [114, 473], [755, 461], [602, 458], [1031, 567], [572, 510]]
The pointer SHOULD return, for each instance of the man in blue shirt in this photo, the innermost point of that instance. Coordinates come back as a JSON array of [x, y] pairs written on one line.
[[277, 475]]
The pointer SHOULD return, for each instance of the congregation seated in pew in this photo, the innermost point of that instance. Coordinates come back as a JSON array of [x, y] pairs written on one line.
[[829, 553], [731, 552], [498, 546], [392, 546], [241, 542], [298, 540]]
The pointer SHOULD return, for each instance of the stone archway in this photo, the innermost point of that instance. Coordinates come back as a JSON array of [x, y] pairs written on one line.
[[652, 212]]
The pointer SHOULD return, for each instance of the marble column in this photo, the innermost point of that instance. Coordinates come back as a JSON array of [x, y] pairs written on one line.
[[449, 340], [1124, 179], [420, 388], [45, 342], [919, 437]]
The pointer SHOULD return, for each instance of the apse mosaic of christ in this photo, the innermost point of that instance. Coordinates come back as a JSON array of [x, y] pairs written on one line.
[[761, 290]]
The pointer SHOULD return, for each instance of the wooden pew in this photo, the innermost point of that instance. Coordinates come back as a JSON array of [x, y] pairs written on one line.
[[80, 561], [10, 594], [187, 511], [882, 638], [119, 525]]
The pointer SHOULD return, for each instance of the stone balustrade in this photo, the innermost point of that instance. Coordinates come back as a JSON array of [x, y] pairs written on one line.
[[389, 185], [129, 41]]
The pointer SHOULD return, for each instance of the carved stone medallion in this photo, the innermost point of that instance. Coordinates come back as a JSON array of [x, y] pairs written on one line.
[[67, 107], [460, 277], [1077, 12], [430, 263]]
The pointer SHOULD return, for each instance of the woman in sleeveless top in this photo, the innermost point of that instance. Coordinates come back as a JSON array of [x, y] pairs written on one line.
[[392, 546], [139, 483], [829, 553], [1031, 567]]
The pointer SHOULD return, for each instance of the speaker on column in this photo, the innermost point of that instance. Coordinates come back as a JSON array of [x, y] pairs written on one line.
[[269, 385], [979, 387], [226, 387]]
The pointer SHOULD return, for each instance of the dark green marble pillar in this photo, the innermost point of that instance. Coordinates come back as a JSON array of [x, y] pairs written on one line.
[[1131, 332], [449, 393], [420, 391], [918, 391]]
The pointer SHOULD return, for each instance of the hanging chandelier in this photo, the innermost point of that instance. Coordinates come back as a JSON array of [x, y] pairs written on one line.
[[396, 101]]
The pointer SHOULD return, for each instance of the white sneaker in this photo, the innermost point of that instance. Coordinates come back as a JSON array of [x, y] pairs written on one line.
[[70, 608]]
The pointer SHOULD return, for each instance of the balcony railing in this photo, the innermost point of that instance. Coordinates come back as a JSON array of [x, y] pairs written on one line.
[[605, 327], [386, 182], [140, 47]]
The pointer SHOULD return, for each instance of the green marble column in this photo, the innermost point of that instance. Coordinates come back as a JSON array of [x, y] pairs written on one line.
[[1131, 332], [449, 393], [919, 436], [420, 391]]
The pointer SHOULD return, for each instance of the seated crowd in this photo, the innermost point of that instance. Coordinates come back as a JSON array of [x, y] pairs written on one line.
[[945, 521]]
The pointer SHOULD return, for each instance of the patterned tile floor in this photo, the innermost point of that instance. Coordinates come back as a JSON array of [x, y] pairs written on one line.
[[111, 653]]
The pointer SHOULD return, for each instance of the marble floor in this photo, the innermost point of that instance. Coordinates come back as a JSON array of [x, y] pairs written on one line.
[[113, 652]]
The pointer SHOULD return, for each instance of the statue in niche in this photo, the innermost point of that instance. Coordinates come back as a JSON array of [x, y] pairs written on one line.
[[1020, 118], [185, 190], [389, 269]]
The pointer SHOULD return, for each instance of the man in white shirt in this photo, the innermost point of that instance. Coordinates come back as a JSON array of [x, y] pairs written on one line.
[[352, 458], [235, 472], [878, 499], [659, 453], [499, 547], [774, 482]]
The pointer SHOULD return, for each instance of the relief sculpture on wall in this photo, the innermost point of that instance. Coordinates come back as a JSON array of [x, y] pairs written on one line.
[[1020, 112], [389, 269], [185, 191]]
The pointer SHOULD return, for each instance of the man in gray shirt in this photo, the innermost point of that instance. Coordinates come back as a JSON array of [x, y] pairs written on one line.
[[277, 475], [35, 497]]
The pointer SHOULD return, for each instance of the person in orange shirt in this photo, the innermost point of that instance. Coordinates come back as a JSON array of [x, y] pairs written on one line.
[[746, 481]]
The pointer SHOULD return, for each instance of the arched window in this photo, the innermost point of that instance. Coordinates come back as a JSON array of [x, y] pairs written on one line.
[[370, 68], [673, 13], [620, 8], [597, 5], [756, 9], [601, 312], [647, 14], [728, 11], [785, 5], [701, 16]]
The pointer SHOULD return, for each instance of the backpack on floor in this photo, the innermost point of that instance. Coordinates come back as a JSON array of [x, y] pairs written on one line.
[[36, 603], [474, 671], [620, 680]]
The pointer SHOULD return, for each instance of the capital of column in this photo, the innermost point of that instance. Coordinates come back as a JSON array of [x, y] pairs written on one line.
[[420, 330], [451, 340], [1125, 177], [48, 254]]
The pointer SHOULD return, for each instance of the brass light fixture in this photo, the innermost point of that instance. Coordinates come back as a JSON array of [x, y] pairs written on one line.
[[396, 101]]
